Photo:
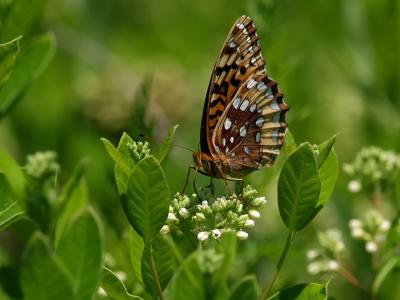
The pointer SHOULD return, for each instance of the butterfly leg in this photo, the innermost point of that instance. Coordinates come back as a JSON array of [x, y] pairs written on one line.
[[187, 178]]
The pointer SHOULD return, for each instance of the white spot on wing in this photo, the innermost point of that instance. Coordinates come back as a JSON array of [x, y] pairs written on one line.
[[232, 45], [258, 137], [260, 122], [274, 105], [248, 39], [251, 83], [217, 149], [236, 102], [276, 119], [253, 60], [223, 142], [244, 105], [253, 107], [261, 86], [275, 135], [233, 154], [240, 26], [227, 124], [231, 139], [243, 131], [246, 150]]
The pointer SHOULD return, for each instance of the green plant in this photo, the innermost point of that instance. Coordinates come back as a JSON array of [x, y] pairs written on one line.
[[197, 233]]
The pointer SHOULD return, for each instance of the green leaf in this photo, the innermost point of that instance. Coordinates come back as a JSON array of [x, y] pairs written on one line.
[[121, 176], [80, 248], [157, 260], [136, 247], [384, 271], [76, 196], [328, 174], [114, 287], [308, 291], [10, 209], [21, 17], [188, 282], [8, 55], [298, 188], [147, 201], [13, 173], [324, 151], [43, 275], [32, 60], [120, 164], [166, 145], [246, 289]]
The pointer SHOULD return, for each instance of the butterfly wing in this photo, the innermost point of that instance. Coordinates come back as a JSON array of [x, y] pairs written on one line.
[[239, 58], [251, 130]]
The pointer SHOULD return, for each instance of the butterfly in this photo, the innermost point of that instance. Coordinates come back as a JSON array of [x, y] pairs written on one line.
[[243, 124]]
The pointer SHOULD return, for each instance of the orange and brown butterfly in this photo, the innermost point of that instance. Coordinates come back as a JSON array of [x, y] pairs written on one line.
[[243, 124]]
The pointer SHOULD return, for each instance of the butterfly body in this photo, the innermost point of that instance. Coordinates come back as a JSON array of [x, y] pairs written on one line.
[[243, 123]]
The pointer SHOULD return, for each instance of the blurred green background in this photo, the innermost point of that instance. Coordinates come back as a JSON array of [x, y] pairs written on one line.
[[337, 62]]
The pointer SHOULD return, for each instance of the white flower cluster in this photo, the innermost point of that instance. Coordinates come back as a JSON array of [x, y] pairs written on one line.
[[372, 165], [211, 218], [372, 230], [325, 259], [42, 164], [139, 150]]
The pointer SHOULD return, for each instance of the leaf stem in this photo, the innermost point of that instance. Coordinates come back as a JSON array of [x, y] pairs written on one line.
[[155, 276], [284, 253]]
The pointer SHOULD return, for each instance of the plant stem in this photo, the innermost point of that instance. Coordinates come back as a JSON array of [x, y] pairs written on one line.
[[351, 278], [285, 251], [155, 276]]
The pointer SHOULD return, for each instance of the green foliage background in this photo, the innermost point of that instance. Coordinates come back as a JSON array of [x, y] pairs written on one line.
[[337, 62]]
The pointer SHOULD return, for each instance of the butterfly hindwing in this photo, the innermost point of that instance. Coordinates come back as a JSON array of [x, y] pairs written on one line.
[[239, 59], [251, 130]]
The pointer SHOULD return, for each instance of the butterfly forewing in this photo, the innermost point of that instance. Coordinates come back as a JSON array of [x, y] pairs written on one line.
[[239, 59]]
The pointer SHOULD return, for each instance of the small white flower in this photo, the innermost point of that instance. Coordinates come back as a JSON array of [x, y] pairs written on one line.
[[384, 225], [183, 212], [255, 214], [242, 235], [333, 265], [355, 223], [371, 247], [194, 195], [164, 229], [171, 217], [200, 216], [121, 275], [216, 233], [259, 201], [204, 204], [311, 254], [357, 232], [314, 268], [249, 223], [203, 235], [354, 186], [101, 292]]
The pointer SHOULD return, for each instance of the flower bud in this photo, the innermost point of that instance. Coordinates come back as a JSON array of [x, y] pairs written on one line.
[[371, 247], [314, 268], [384, 225], [249, 223], [357, 232], [255, 214], [259, 201], [355, 223], [311, 254], [164, 229], [242, 235], [333, 265], [203, 235], [354, 186], [171, 217], [183, 212]]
